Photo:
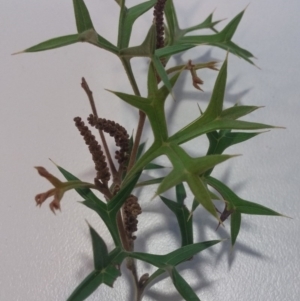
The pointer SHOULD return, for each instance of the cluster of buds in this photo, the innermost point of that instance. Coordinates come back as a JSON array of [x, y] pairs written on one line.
[[103, 173], [131, 210], [114, 130], [159, 22]]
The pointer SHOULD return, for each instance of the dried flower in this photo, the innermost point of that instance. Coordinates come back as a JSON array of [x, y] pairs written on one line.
[[59, 189], [196, 80], [131, 210], [115, 130], [103, 173], [159, 22]]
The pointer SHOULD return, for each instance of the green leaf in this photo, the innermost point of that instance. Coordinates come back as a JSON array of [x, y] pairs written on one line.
[[174, 258], [128, 19], [118, 200], [180, 193], [99, 250], [238, 206], [215, 105], [235, 226], [106, 275], [106, 45], [86, 193], [150, 182], [171, 19], [161, 72], [53, 43], [237, 203], [109, 221], [140, 150], [151, 166], [146, 49], [172, 49], [182, 286], [221, 39], [88, 36], [197, 128], [219, 141], [236, 112], [188, 169], [82, 16], [153, 105], [92, 202], [207, 23], [184, 221], [202, 195], [214, 118]]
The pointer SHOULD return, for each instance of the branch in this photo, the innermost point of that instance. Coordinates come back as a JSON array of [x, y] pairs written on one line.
[[89, 94]]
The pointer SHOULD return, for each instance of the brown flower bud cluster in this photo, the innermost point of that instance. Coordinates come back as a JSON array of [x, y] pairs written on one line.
[[114, 130], [131, 210], [159, 22], [103, 173]]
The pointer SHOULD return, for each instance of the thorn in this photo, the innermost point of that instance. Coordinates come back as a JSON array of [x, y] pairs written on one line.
[[155, 195], [201, 112], [53, 162], [19, 52], [246, 6]]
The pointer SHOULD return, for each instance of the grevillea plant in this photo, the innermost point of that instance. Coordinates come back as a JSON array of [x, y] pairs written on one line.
[[117, 179]]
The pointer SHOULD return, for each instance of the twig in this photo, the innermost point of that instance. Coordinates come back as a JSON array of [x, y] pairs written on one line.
[[89, 93]]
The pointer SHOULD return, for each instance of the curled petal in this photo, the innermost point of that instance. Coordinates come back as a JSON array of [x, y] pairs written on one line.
[[41, 197], [55, 205], [196, 82], [59, 189], [44, 173]]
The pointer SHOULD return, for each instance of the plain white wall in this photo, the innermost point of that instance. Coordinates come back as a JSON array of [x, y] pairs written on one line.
[[43, 257]]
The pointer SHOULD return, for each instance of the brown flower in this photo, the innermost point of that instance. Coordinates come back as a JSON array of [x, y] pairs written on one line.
[[59, 189]]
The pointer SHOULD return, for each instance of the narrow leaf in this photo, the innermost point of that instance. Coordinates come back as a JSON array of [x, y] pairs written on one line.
[[53, 43], [151, 166], [131, 15], [171, 19], [221, 39], [117, 201], [140, 150], [172, 49], [236, 112], [180, 193], [106, 275], [207, 23], [174, 258], [146, 49], [82, 16], [239, 204], [162, 72], [86, 193], [235, 226], [109, 221], [215, 105], [150, 182], [231, 27], [224, 139], [182, 286], [201, 126], [99, 250], [202, 194], [184, 221]]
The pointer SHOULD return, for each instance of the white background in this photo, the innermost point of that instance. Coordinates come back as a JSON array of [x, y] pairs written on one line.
[[43, 257]]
